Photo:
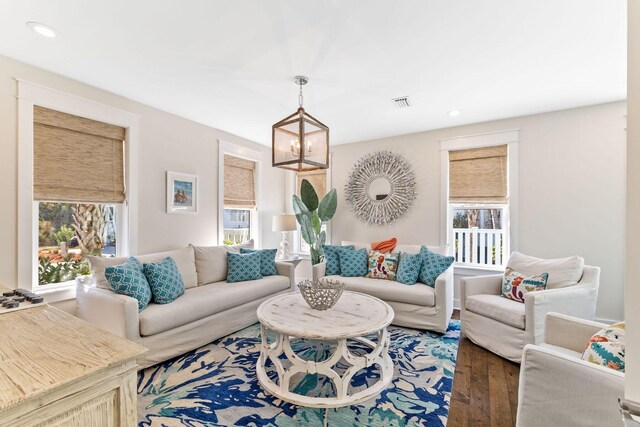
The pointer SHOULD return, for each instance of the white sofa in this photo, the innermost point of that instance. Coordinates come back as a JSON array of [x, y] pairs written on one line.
[[558, 388], [209, 309], [503, 326], [416, 306]]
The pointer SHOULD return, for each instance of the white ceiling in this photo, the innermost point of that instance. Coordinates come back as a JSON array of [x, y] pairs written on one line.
[[230, 64]]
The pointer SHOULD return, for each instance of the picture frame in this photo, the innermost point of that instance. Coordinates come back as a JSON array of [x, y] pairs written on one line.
[[182, 193]]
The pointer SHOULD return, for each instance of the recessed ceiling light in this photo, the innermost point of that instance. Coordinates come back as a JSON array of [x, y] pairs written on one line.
[[42, 29], [453, 113]]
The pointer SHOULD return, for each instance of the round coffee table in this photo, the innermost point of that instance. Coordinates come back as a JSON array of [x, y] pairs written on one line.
[[353, 316]]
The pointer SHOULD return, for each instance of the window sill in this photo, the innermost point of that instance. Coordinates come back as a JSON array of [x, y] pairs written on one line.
[[473, 270], [57, 292]]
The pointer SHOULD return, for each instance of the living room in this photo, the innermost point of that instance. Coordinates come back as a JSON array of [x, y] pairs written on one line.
[[479, 144]]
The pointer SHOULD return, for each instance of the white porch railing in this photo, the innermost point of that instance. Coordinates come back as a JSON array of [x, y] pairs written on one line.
[[479, 246]]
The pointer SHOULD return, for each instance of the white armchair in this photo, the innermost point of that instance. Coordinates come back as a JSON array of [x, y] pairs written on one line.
[[504, 327], [558, 388]]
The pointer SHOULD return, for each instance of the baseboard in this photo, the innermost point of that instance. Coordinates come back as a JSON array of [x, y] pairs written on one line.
[[456, 304]]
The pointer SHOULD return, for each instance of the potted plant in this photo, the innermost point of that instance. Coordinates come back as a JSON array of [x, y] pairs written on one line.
[[312, 214]]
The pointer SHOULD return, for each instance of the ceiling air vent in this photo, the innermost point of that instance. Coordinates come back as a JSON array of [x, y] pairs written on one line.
[[402, 102]]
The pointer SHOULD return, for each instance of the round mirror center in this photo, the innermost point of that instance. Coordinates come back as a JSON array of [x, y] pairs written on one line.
[[379, 188]]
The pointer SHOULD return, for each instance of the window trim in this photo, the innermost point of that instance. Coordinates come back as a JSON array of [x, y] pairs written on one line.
[[509, 137], [235, 150], [30, 94]]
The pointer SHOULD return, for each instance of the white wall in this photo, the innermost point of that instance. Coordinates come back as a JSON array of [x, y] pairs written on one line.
[[166, 142], [632, 290], [571, 189]]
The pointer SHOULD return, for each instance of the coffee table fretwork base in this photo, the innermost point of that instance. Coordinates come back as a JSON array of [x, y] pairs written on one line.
[[379, 355]]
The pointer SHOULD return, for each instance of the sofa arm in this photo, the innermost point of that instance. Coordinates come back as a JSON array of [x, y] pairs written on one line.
[[319, 270], [569, 332], [112, 312], [547, 390], [480, 285], [444, 296], [577, 301], [287, 269]]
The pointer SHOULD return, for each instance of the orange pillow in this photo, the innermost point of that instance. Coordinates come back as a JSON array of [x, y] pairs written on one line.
[[385, 246]]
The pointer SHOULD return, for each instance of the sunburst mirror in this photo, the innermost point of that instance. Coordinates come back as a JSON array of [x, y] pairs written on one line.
[[381, 188]]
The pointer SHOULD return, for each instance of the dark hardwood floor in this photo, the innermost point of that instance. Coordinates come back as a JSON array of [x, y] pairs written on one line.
[[485, 388]]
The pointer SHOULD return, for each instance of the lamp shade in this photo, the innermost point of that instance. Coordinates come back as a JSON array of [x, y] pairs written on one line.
[[284, 223]]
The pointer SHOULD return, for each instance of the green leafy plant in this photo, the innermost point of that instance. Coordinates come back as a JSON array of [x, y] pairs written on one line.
[[311, 214], [64, 234], [62, 271]]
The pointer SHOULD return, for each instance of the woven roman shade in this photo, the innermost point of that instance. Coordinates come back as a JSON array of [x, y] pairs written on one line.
[[478, 175], [76, 159], [239, 184], [317, 178]]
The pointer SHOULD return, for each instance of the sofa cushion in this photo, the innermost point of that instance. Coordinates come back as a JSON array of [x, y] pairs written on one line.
[[607, 347], [409, 268], [129, 279], [433, 265], [353, 263], [267, 260], [164, 280], [382, 265], [497, 308], [515, 285], [243, 267], [184, 258], [418, 294], [211, 263], [332, 257], [206, 300], [563, 272]]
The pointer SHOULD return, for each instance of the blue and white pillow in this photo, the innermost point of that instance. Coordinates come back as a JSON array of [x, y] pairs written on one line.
[[267, 260], [128, 279], [409, 268], [433, 265], [164, 280], [243, 267], [353, 263], [332, 258]]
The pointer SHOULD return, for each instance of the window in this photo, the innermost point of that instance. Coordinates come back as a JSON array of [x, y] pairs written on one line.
[[67, 232], [77, 204], [239, 200], [237, 226], [478, 205]]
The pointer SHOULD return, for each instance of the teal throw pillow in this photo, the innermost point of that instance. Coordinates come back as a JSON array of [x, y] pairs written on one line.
[[409, 268], [353, 263], [267, 260], [332, 258], [128, 279], [242, 267], [433, 265], [164, 280]]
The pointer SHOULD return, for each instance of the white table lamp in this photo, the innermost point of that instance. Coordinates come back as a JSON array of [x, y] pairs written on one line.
[[284, 223]]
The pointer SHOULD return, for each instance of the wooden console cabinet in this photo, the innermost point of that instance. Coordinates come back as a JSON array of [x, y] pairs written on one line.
[[58, 370]]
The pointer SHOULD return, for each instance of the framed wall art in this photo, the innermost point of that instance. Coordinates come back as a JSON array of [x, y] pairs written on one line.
[[182, 193]]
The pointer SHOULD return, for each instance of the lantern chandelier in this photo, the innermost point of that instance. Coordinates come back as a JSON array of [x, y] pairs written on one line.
[[300, 142]]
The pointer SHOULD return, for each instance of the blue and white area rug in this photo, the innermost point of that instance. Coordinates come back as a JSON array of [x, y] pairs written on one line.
[[216, 385]]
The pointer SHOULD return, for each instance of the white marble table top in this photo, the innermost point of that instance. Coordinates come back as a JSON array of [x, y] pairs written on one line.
[[354, 315]]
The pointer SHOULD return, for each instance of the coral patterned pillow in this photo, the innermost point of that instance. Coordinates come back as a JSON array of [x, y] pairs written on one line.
[[515, 285], [383, 265], [606, 347]]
